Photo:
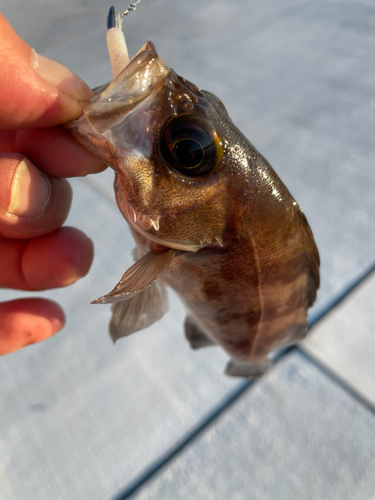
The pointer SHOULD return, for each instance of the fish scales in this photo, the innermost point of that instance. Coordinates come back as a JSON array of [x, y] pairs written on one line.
[[210, 217]]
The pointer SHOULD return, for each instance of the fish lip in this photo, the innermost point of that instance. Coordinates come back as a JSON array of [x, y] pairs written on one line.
[[144, 75], [132, 218]]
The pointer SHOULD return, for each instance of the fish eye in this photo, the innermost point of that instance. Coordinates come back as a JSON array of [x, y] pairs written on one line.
[[190, 146]]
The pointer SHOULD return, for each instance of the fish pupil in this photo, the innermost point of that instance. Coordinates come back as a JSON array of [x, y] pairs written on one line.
[[188, 153], [190, 146]]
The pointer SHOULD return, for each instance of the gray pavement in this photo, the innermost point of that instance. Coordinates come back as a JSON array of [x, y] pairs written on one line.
[[271, 445], [81, 418]]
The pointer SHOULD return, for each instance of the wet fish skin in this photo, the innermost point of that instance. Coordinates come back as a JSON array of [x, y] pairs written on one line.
[[241, 254]]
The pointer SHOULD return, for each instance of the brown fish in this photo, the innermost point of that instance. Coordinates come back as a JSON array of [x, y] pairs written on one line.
[[210, 217]]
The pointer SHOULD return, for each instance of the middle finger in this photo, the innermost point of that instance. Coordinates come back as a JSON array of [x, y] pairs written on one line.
[[32, 203]]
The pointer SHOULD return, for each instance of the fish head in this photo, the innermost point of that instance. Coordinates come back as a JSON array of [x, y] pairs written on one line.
[[165, 138]]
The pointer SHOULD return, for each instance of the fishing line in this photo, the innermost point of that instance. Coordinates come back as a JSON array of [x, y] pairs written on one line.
[[131, 7]]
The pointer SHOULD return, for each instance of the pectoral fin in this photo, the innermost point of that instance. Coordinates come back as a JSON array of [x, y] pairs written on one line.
[[139, 311], [139, 276]]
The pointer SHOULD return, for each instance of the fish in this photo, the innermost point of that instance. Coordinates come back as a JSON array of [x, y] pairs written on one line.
[[210, 217]]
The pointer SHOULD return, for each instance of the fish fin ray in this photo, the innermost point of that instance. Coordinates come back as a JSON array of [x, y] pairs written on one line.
[[139, 276], [138, 312], [295, 334], [245, 369]]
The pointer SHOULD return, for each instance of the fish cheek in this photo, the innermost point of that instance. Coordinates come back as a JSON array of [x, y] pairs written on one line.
[[199, 213], [195, 213], [203, 226], [134, 184]]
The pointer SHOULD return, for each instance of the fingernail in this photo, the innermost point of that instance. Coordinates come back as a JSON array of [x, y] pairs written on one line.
[[30, 190], [61, 77]]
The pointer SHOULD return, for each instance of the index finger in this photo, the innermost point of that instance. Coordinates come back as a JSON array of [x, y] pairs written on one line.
[[54, 150], [34, 90]]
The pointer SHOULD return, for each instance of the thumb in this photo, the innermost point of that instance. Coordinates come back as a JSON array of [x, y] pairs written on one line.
[[34, 90]]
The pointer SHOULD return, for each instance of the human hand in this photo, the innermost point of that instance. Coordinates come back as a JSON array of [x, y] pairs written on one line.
[[36, 94]]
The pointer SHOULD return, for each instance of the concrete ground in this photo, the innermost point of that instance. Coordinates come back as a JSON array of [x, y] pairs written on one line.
[[148, 418]]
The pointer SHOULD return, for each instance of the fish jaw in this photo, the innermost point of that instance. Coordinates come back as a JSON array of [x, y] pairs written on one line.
[[144, 75]]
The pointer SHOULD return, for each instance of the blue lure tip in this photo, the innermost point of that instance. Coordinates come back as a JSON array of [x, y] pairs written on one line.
[[114, 19]]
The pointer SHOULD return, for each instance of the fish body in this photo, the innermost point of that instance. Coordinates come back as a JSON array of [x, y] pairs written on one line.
[[210, 217]]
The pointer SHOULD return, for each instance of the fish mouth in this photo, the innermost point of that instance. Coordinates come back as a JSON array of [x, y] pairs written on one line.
[[144, 75]]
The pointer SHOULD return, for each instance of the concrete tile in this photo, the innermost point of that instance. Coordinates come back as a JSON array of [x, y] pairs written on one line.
[[44, 24], [294, 435], [344, 340]]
